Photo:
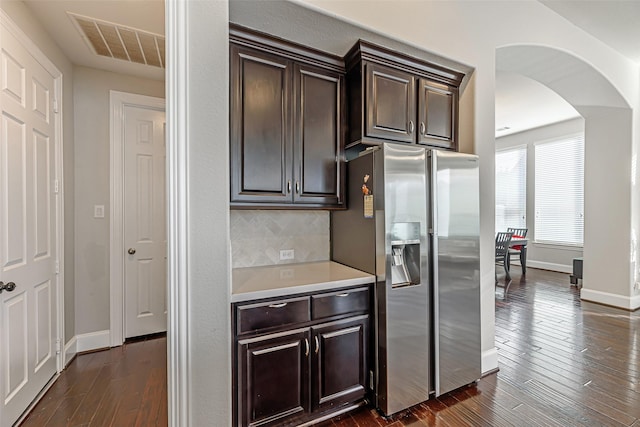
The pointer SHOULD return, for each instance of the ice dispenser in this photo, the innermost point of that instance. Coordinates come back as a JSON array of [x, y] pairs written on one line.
[[405, 254]]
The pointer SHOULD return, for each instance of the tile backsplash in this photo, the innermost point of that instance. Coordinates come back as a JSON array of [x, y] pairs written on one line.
[[258, 236]]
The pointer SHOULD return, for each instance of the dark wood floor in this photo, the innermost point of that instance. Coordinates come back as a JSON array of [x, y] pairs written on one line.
[[123, 386], [562, 362]]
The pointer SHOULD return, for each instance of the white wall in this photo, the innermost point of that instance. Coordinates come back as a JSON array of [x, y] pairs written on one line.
[[607, 170], [199, 340], [21, 15], [92, 141], [550, 257]]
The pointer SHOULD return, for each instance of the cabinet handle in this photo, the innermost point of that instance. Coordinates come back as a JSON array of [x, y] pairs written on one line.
[[410, 126], [423, 128], [346, 294], [297, 187], [289, 186], [280, 305], [317, 344], [306, 343]]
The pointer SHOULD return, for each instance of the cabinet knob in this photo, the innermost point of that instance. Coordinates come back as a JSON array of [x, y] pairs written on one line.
[[410, 126], [423, 128], [297, 187], [289, 186], [317, 344], [306, 343]]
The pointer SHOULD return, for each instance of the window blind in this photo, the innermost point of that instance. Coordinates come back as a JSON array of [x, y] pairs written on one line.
[[511, 188], [559, 191]]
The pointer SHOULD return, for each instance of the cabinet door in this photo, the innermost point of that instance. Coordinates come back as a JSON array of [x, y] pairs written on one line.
[[318, 136], [260, 134], [437, 114], [273, 373], [339, 362], [390, 104]]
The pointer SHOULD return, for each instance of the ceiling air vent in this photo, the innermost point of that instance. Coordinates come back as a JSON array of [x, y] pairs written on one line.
[[121, 42]]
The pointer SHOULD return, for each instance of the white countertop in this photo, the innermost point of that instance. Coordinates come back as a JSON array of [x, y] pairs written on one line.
[[286, 279]]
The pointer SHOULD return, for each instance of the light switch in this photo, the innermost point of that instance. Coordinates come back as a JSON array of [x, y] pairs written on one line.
[[98, 211]]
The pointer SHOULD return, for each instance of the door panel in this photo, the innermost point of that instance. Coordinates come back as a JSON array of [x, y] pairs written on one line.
[[14, 190], [339, 362], [273, 375], [260, 136], [456, 244], [318, 139], [28, 229], [16, 367], [44, 339], [144, 221], [390, 103], [42, 197], [437, 114]]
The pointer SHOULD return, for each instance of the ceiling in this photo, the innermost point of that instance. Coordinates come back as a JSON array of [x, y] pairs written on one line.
[[521, 103]]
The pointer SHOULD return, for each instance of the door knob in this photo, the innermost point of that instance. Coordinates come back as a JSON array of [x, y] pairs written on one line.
[[131, 251], [8, 287]]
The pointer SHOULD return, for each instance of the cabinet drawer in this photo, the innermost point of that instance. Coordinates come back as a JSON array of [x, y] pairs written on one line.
[[272, 314], [340, 302]]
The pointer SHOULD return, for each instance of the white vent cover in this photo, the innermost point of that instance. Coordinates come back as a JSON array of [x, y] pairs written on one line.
[[121, 42]]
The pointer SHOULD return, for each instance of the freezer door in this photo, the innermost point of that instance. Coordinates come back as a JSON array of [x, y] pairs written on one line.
[[455, 217], [402, 292]]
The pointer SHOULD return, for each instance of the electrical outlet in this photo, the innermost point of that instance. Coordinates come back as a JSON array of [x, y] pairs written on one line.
[[286, 273], [98, 211], [286, 254]]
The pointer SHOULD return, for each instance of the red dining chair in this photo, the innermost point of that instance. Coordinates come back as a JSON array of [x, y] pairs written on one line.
[[517, 250]]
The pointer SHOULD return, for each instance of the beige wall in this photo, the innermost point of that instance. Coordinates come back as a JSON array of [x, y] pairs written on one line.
[[23, 18], [258, 236], [92, 141]]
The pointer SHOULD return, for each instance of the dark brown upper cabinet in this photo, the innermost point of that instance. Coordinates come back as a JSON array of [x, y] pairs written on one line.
[[437, 114], [391, 107], [398, 98], [286, 124]]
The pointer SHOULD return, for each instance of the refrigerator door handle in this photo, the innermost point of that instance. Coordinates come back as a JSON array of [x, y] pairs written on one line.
[[433, 166]]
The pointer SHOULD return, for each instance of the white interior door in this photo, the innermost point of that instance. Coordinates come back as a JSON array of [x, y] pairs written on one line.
[[145, 240], [27, 229]]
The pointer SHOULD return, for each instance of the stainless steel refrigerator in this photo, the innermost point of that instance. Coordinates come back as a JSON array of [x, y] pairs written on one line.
[[413, 221]]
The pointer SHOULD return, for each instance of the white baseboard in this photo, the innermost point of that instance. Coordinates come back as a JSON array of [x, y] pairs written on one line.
[[92, 341], [620, 301], [70, 350], [489, 360], [562, 268]]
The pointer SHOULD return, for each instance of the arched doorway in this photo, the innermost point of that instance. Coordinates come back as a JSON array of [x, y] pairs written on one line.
[[609, 203]]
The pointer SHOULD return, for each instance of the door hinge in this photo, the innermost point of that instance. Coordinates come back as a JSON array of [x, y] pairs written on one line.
[[56, 186], [58, 347], [55, 105]]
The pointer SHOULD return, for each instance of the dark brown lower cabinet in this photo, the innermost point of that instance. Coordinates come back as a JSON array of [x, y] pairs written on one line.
[[290, 373], [339, 368], [274, 376]]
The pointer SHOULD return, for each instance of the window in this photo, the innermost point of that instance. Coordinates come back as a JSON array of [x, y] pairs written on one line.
[[559, 191], [511, 188]]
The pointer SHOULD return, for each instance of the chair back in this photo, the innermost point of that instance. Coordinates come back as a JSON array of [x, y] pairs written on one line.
[[520, 232], [502, 244]]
